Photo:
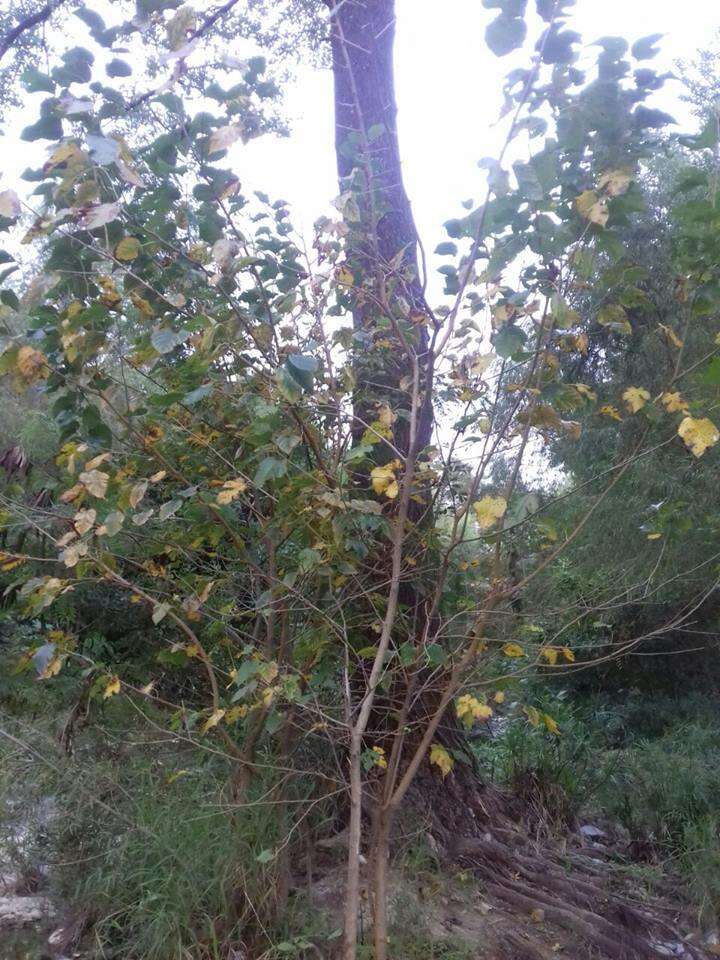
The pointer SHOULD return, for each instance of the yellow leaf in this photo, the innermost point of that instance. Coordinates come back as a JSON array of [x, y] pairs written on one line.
[[95, 482], [469, 708], [585, 391], [610, 411], [698, 434], [489, 510], [441, 758], [568, 654], [52, 667], [533, 715], [673, 402], [499, 697], [550, 654], [615, 182], [383, 479], [128, 248], [385, 415], [572, 428], [379, 757], [635, 398], [148, 688], [72, 555], [653, 536], [670, 335], [112, 688], [84, 520], [236, 713], [9, 205], [137, 492], [224, 137], [513, 650], [213, 720], [231, 490], [592, 207], [32, 365], [96, 461], [550, 724], [344, 277]]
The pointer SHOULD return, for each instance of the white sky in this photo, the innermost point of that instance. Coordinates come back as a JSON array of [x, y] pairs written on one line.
[[449, 95]]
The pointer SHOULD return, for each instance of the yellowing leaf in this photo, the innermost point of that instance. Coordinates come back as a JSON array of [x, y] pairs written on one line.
[[670, 335], [379, 757], [224, 137], [231, 490], [513, 650], [698, 434], [610, 411], [550, 724], [52, 667], [383, 479], [236, 713], [32, 364], [653, 536], [441, 758], [344, 276], [213, 720], [128, 248], [489, 510], [112, 688], [592, 207], [95, 482], [72, 555], [9, 204], [96, 461], [137, 492], [469, 708], [84, 520], [550, 654], [615, 182], [585, 391], [499, 697], [673, 402], [568, 654], [635, 398]]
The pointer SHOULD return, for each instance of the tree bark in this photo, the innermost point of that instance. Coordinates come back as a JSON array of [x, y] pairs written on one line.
[[366, 140]]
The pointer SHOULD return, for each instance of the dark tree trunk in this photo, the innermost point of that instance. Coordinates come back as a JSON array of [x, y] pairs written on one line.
[[385, 246]]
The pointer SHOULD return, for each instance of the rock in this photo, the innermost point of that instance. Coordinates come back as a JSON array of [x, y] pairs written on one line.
[[590, 830], [24, 911], [9, 882]]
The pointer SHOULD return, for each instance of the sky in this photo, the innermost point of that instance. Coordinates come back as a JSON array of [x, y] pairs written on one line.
[[449, 96]]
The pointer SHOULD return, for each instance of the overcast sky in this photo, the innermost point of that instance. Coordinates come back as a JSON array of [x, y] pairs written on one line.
[[449, 94], [448, 91]]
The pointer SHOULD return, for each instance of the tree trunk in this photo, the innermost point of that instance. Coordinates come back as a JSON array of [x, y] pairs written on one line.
[[366, 140]]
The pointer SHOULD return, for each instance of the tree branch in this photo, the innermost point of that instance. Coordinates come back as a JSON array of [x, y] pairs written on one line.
[[28, 23]]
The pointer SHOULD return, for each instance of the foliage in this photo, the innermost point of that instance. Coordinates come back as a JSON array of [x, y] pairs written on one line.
[[245, 456]]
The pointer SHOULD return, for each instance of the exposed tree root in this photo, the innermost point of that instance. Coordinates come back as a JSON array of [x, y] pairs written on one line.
[[479, 827]]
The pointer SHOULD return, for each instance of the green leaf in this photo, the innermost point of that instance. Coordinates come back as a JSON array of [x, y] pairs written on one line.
[[645, 49], [118, 68], [199, 393], [34, 81], [710, 375], [505, 34], [77, 62], [303, 369], [508, 341], [270, 469]]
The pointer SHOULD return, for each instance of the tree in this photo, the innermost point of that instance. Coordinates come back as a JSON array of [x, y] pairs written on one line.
[[245, 431]]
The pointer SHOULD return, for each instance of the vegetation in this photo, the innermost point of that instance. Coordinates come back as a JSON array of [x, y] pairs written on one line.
[[280, 588]]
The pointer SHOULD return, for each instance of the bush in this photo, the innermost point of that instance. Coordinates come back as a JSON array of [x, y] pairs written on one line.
[[667, 791]]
